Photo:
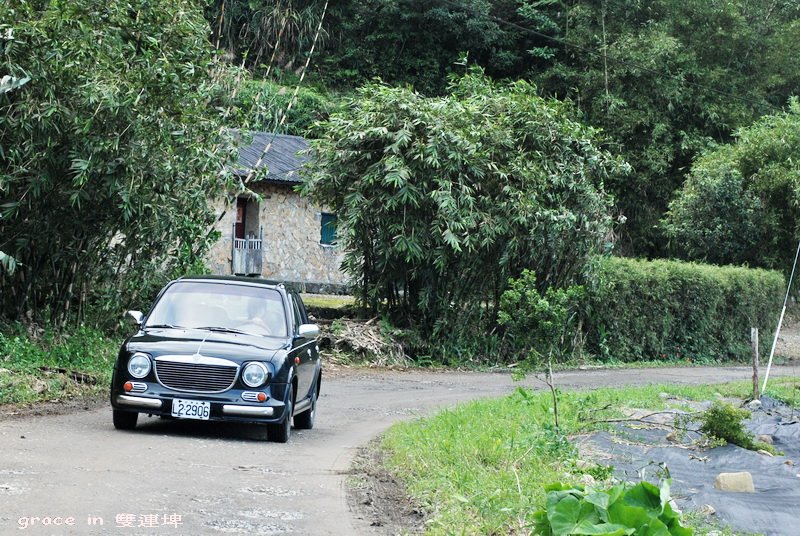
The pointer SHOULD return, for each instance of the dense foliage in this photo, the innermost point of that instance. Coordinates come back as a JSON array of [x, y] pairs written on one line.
[[422, 43], [259, 105], [665, 79], [45, 365], [673, 310], [441, 200], [540, 325], [741, 202], [107, 153], [264, 34]]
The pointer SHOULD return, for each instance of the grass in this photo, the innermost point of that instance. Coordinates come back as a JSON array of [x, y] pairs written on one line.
[[51, 367], [480, 468], [327, 301]]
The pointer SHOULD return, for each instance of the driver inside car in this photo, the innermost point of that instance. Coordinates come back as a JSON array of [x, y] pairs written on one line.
[[258, 317]]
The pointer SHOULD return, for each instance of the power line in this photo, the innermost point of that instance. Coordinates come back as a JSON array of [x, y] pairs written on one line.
[[680, 77], [292, 100]]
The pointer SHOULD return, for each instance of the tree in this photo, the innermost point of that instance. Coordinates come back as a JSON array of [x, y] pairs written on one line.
[[741, 202], [441, 200], [276, 33], [107, 155], [666, 80], [422, 43], [258, 105]]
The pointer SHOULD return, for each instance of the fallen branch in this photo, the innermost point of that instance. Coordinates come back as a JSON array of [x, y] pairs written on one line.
[[643, 419], [79, 377]]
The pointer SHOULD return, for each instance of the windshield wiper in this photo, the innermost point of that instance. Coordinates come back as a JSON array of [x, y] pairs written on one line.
[[220, 329], [168, 326]]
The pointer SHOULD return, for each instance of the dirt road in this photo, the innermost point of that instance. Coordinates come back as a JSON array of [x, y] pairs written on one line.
[[74, 474]]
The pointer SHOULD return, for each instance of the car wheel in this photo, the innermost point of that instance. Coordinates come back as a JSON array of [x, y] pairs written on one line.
[[125, 420], [280, 432], [305, 420]]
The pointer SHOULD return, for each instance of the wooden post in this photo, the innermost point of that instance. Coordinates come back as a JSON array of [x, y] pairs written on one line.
[[754, 343]]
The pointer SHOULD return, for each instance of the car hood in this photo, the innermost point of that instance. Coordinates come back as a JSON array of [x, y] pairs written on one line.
[[236, 347]]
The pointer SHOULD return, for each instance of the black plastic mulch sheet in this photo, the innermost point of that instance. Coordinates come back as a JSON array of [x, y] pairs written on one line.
[[774, 508]]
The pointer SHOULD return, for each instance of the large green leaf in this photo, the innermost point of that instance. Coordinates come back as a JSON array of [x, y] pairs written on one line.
[[589, 528], [646, 496], [637, 517]]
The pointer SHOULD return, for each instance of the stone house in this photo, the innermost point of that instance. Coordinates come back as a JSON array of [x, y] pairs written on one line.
[[278, 235]]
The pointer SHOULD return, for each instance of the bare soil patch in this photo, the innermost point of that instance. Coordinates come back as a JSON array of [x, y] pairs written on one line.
[[377, 497], [54, 407]]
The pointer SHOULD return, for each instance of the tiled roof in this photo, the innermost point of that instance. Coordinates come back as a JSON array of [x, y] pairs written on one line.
[[281, 161]]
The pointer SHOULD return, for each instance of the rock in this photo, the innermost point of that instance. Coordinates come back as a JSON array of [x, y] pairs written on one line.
[[583, 464], [40, 386], [765, 438], [674, 437], [587, 480], [753, 405], [735, 482], [708, 510]]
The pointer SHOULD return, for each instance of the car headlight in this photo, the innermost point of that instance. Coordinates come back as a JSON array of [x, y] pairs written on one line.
[[139, 365], [254, 374]]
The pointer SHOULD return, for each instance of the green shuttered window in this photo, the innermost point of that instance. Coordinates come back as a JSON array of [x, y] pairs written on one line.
[[328, 229]]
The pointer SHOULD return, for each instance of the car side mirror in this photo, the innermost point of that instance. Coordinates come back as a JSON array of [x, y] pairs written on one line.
[[134, 317], [309, 331]]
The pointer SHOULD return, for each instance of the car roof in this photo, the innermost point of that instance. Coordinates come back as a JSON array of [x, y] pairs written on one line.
[[233, 279], [254, 281]]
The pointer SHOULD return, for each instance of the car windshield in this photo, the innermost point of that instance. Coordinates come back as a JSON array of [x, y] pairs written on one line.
[[220, 307]]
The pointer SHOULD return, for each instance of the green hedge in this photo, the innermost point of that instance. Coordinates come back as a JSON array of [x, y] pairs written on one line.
[[675, 310]]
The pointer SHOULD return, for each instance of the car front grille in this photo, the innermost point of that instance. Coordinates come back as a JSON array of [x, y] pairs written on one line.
[[182, 375]]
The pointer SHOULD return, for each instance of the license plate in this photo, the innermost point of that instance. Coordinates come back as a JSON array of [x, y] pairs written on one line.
[[191, 409]]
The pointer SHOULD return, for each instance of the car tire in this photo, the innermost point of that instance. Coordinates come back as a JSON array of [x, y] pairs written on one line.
[[280, 432], [305, 420], [125, 420]]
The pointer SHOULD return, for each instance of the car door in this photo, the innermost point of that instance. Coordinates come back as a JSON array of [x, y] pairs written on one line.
[[303, 348]]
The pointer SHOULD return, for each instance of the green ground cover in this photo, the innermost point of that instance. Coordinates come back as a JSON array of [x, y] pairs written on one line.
[[481, 468], [50, 367]]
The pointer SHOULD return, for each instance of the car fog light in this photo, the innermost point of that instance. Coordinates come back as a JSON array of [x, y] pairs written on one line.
[[139, 365], [254, 374]]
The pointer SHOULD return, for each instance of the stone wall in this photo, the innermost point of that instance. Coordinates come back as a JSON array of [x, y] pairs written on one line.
[[292, 249]]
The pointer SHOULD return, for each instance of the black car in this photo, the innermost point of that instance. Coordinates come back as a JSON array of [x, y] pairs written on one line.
[[221, 349]]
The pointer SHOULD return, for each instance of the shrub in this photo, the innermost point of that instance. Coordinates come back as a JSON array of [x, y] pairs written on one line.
[[671, 310], [441, 200], [85, 349], [739, 202], [723, 421], [259, 105], [110, 152], [540, 324]]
